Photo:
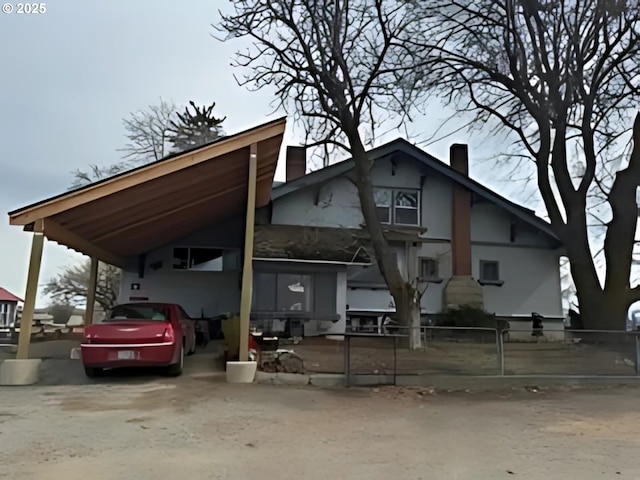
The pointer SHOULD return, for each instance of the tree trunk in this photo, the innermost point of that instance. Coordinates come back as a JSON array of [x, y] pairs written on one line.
[[408, 313], [402, 292], [606, 308]]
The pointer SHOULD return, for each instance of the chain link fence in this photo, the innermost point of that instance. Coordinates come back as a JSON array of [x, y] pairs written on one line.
[[475, 351]]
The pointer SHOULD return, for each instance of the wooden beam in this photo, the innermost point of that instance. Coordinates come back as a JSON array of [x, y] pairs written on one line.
[[113, 224], [150, 172], [159, 193], [54, 231], [24, 339], [91, 293], [247, 268], [167, 213]]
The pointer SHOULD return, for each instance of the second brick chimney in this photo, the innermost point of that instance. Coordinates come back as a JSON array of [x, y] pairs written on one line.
[[296, 162], [461, 289], [461, 221]]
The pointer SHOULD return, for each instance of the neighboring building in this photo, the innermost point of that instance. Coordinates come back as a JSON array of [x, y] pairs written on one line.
[[8, 307]]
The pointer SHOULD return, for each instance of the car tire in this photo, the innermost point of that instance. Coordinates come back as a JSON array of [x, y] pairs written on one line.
[[93, 372], [175, 369]]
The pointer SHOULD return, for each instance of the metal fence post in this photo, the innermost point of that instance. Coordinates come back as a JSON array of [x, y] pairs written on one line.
[[637, 336], [347, 359], [500, 347], [395, 359]]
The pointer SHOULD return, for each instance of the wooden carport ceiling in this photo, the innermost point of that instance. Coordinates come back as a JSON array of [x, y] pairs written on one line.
[[143, 209]]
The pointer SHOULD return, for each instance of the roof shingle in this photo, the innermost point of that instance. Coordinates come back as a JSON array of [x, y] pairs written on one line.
[[7, 296]]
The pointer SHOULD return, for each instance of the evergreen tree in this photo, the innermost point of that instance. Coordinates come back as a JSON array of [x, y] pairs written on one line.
[[193, 129]]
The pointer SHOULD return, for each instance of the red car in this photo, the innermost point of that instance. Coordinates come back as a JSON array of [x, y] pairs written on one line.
[[139, 335]]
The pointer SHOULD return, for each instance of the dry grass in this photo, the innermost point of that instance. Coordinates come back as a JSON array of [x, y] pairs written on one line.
[[442, 357]]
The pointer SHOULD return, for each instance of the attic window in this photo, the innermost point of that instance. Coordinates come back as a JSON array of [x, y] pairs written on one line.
[[397, 206]]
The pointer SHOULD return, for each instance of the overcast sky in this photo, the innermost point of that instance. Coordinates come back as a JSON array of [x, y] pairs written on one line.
[[70, 75]]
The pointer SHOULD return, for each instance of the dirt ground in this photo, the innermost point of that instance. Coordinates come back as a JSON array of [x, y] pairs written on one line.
[[146, 426], [477, 357]]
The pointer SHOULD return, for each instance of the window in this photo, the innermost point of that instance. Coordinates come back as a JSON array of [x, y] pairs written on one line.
[[205, 259], [406, 208], [398, 206], [139, 312], [383, 204], [4, 314], [294, 292], [264, 291], [428, 269], [307, 292], [490, 272]]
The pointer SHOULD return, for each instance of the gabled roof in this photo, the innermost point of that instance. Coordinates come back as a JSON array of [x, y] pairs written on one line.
[[402, 146], [7, 296]]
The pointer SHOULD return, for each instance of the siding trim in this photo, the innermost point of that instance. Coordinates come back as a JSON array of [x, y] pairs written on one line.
[[322, 262]]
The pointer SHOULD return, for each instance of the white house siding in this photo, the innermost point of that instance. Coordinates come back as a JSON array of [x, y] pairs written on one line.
[[341, 304], [492, 224], [432, 298], [209, 292], [531, 280], [437, 207], [197, 291], [338, 206], [368, 299]]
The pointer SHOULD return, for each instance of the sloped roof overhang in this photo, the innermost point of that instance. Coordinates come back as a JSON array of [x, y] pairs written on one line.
[[142, 209]]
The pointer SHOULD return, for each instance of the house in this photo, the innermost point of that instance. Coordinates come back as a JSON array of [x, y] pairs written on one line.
[[466, 243], [313, 265], [8, 307], [209, 229]]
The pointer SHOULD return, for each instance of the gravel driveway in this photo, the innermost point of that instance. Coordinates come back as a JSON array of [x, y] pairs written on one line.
[[198, 427]]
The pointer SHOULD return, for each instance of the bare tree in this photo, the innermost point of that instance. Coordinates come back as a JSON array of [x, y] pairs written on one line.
[[562, 77], [95, 173], [342, 68], [152, 133], [148, 133], [71, 286]]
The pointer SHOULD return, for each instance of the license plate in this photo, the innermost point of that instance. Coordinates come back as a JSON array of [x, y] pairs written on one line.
[[126, 355]]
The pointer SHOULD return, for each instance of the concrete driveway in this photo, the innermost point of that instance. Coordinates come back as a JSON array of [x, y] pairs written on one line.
[[198, 427]]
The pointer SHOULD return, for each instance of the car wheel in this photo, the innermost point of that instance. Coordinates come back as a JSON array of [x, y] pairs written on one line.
[[175, 370], [93, 372]]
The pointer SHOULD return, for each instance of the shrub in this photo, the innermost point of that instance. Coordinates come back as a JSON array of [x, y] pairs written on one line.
[[467, 316]]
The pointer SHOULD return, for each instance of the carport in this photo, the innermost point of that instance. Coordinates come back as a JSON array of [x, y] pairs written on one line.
[[119, 219]]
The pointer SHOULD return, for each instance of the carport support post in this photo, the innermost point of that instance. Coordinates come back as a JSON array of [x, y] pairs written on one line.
[[247, 268], [91, 293], [37, 245]]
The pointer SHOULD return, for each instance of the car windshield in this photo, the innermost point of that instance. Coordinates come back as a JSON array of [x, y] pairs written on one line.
[[138, 312]]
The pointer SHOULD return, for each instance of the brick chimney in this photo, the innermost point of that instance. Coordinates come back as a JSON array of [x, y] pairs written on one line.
[[296, 162], [461, 222], [461, 289]]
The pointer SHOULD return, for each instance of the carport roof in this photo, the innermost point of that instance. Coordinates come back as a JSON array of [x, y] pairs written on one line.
[[142, 209]]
